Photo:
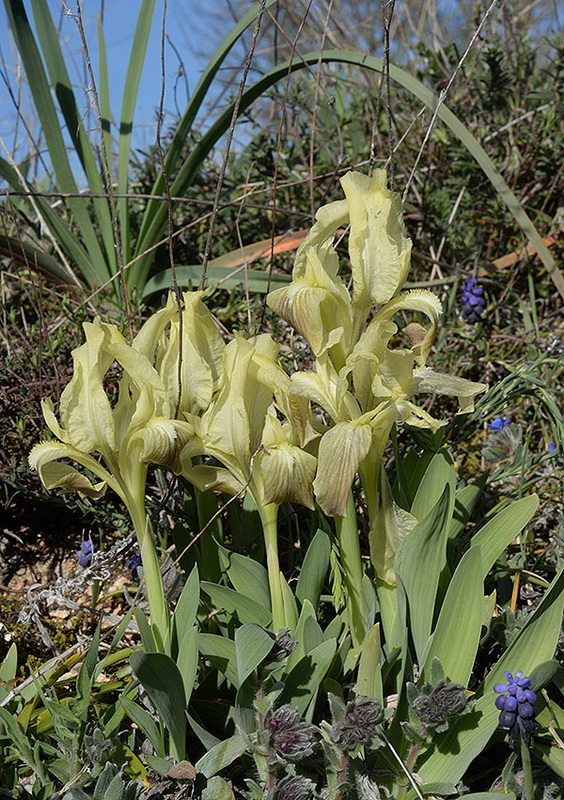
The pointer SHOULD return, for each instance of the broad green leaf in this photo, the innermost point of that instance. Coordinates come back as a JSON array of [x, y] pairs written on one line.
[[438, 474], [453, 643], [313, 635], [299, 636], [9, 666], [255, 280], [419, 563], [489, 796], [544, 673], [302, 683], [494, 537], [145, 722], [187, 661], [464, 501], [369, 679], [145, 630], [248, 576], [314, 569], [242, 608], [217, 789], [252, 645], [411, 467], [187, 606], [221, 652], [22, 744], [162, 681], [206, 738], [290, 607], [432, 790], [534, 644], [553, 757], [221, 755]]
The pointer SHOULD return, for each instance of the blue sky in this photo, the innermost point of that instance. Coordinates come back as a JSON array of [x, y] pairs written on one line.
[[120, 17]]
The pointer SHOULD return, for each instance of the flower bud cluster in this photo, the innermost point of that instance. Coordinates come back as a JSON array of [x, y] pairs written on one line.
[[446, 699], [290, 736], [359, 724]]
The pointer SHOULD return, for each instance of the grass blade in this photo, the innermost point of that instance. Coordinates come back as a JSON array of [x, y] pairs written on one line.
[[56, 67], [51, 127], [131, 89]]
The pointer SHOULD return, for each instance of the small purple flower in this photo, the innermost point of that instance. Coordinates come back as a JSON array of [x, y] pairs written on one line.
[[473, 301], [133, 565], [499, 423], [515, 703], [551, 448], [84, 555]]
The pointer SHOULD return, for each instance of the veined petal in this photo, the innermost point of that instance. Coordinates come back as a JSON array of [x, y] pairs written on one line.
[[379, 248], [328, 218], [321, 386], [216, 479], [425, 380], [415, 300], [159, 442], [341, 451], [55, 475], [149, 335], [316, 304], [52, 422], [201, 348], [413, 415], [85, 411], [284, 473], [231, 428]]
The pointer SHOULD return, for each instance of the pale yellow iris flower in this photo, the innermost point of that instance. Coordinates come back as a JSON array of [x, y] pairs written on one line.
[[363, 379]]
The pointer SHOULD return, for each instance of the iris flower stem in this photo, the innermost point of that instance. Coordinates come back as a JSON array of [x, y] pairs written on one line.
[[268, 517], [529, 787], [349, 546], [158, 607]]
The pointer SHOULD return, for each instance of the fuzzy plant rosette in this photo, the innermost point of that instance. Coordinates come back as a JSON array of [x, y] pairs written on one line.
[[228, 418]]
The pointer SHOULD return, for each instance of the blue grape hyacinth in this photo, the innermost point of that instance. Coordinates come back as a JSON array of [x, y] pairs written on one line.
[[473, 301], [516, 705]]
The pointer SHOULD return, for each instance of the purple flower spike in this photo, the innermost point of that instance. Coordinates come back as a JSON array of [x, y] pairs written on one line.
[[515, 703], [473, 301]]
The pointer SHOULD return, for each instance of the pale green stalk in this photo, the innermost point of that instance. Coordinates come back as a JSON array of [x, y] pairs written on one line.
[[351, 560], [158, 607], [268, 516]]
